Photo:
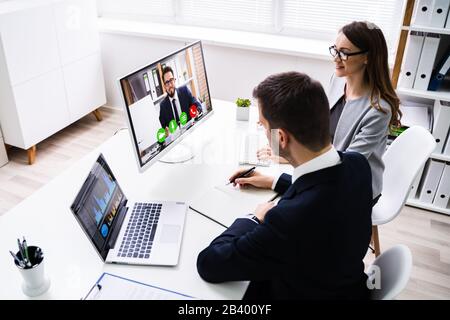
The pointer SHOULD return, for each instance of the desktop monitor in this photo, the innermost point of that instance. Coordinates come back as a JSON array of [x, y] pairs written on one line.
[[164, 101]]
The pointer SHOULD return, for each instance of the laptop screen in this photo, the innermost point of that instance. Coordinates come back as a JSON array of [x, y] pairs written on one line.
[[97, 203]]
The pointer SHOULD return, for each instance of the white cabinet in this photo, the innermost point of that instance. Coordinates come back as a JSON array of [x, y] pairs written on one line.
[[29, 43], [3, 155], [50, 67], [76, 24], [83, 91]]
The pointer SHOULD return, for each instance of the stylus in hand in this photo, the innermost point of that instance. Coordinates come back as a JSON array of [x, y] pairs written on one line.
[[243, 175]]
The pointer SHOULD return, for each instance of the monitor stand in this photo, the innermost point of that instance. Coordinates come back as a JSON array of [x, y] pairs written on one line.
[[178, 154]]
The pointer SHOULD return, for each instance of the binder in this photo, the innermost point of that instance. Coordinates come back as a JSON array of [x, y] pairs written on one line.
[[431, 180], [439, 74], [415, 185], [447, 146], [442, 196], [411, 60], [439, 13], [157, 83], [423, 12], [447, 23], [147, 84], [426, 62], [441, 123]]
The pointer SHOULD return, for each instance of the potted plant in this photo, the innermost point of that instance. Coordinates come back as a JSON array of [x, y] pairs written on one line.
[[242, 110]]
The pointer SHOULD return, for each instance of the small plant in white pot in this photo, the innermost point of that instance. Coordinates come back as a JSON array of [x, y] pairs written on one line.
[[243, 109]]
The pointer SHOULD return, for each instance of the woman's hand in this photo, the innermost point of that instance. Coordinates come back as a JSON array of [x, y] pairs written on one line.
[[266, 153]]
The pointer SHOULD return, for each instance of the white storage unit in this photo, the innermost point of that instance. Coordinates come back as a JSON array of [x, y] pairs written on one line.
[[3, 155], [50, 67], [425, 186]]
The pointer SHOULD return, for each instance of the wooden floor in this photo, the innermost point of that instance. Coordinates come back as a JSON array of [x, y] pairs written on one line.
[[427, 234]]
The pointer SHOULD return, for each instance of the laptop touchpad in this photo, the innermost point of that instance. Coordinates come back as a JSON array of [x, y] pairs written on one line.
[[169, 233]]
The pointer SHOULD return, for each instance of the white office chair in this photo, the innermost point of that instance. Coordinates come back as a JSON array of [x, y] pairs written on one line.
[[389, 273], [403, 160]]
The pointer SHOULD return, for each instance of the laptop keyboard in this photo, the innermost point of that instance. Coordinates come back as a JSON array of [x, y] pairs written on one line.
[[140, 231]]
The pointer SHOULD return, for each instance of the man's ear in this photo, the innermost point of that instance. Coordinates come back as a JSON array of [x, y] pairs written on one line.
[[283, 138]]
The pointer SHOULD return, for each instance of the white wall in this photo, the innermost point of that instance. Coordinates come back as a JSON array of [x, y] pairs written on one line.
[[231, 72]]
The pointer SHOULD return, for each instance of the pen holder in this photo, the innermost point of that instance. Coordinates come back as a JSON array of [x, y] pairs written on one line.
[[34, 280]]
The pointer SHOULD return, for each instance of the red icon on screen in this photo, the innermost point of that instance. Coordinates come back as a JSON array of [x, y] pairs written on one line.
[[193, 111]]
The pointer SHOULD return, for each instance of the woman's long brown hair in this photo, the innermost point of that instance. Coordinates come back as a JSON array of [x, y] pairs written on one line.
[[367, 36]]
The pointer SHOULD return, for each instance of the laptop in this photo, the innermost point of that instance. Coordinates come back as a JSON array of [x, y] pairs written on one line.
[[125, 231]]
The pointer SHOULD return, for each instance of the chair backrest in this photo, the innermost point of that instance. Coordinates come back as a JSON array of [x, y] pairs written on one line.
[[390, 272], [403, 160]]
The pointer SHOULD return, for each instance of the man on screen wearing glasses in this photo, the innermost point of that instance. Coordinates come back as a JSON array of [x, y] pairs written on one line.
[[179, 105]]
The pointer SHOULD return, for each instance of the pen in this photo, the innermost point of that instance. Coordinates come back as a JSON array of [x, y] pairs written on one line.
[[20, 249], [99, 288], [37, 254], [17, 259], [25, 250], [243, 174], [274, 197]]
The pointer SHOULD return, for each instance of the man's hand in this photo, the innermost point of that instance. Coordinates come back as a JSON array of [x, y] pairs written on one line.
[[255, 179], [266, 153], [261, 210]]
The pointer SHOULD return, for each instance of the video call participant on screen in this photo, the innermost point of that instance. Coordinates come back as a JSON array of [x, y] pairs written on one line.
[[178, 100], [311, 244]]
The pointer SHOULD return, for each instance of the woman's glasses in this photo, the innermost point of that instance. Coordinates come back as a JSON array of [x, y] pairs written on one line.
[[343, 55]]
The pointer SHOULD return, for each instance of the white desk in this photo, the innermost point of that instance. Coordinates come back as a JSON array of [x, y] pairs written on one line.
[[71, 261]]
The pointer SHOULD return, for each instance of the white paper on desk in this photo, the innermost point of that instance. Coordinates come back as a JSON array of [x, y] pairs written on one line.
[[118, 288], [225, 203]]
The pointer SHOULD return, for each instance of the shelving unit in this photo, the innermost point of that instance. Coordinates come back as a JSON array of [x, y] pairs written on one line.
[[416, 203], [439, 156], [426, 29], [419, 95]]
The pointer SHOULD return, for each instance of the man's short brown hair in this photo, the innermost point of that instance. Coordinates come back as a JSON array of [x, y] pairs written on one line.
[[295, 102]]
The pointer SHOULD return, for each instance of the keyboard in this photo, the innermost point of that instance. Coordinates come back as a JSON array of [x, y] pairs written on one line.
[[250, 144], [140, 231]]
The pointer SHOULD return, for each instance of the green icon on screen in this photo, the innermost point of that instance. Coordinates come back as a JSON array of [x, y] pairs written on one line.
[[161, 135], [183, 118], [172, 126]]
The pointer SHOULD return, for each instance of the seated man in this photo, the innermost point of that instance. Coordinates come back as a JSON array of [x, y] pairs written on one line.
[[177, 101], [311, 244]]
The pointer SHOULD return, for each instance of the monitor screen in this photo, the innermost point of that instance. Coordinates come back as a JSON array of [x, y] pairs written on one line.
[[97, 203], [165, 100]]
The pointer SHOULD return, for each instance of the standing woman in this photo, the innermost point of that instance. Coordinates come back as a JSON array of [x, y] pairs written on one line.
[[363, 102]]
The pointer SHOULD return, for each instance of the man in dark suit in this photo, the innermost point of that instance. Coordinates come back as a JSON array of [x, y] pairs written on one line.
[[311, 244], [178, 100]]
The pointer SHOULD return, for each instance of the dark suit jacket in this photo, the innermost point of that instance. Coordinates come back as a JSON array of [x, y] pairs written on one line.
[[310, 246], [186, 100]]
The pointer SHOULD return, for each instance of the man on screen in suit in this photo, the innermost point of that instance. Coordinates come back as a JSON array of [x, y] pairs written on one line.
[[178, 100], [312, 243]]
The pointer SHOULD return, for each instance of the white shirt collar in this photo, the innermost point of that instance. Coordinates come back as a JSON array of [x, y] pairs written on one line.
[[325, 160]]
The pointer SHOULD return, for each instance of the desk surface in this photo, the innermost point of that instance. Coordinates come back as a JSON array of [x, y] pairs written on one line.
[[72, 263]]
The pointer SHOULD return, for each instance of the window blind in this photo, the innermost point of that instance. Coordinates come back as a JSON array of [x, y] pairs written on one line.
[[324, 18], [234, 14], [304, 18]]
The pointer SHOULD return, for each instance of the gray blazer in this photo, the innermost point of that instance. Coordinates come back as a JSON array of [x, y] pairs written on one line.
[[361, 128]]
